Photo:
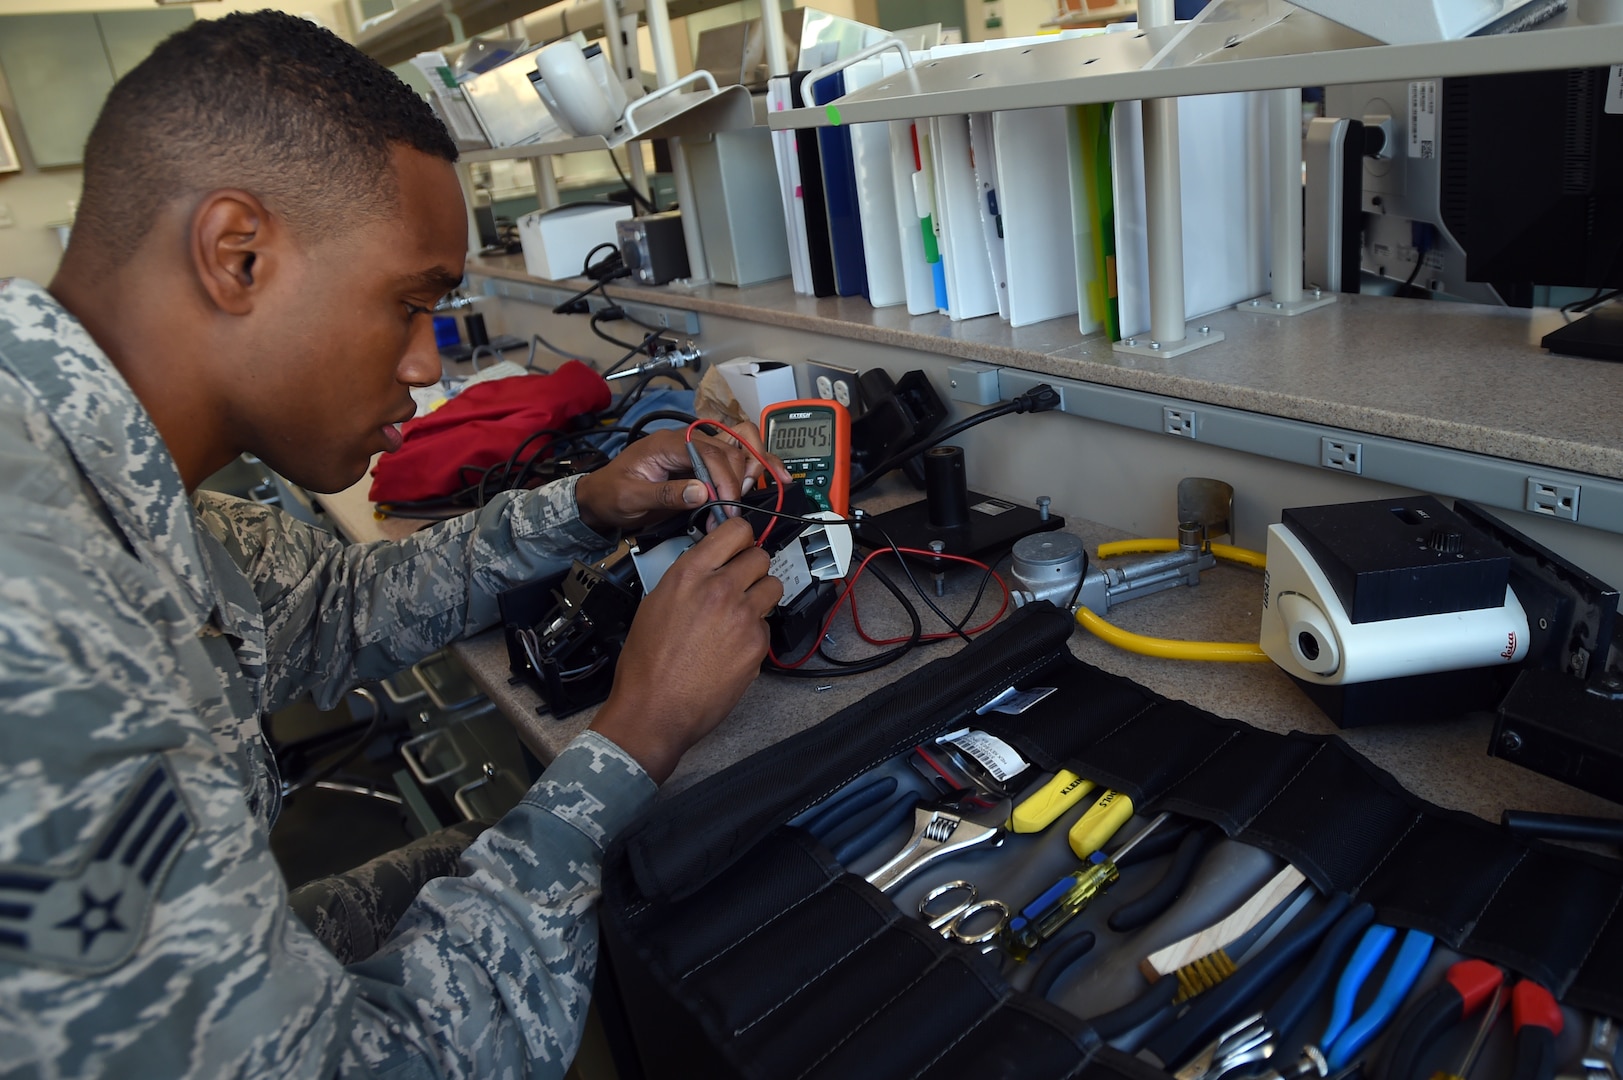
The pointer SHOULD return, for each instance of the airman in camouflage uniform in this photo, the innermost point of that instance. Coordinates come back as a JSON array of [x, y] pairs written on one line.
[[143, 631]]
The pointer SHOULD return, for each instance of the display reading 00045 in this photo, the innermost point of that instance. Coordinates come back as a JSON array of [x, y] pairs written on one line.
[[814, 440], [799, 438]]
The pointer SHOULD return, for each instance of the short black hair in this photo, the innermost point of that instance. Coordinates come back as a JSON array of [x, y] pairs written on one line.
[[265, 101]]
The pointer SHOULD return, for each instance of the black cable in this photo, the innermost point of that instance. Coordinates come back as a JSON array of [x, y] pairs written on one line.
[[608, 269], [868, 663], [630, 354], [567, 307], [980, 591], [491, 480], [529, 361], [598, 272], [931, 604], [1039, 398], [350, 753], [636, 196], [1419, 261], [871, 476], [634, 321], [955, 627], [631, 397], [1600, 296], [597, 318], [1408, 282]]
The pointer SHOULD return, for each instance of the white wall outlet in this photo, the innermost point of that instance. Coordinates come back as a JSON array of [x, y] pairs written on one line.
[[833, 383], [1179, 422], [1343, 455], [6, 218], [1552, 499]]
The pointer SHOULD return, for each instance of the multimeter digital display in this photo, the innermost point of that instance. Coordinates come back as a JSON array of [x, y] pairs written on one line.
[[813, 437]]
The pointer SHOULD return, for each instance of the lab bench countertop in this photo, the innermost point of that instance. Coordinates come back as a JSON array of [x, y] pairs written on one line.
[[1462, 376], [1444, 761]]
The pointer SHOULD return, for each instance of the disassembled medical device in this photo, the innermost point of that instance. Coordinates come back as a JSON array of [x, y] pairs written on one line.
[[566, 634]]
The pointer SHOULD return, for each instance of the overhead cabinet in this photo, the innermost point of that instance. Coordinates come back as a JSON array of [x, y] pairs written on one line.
[[61, 66]]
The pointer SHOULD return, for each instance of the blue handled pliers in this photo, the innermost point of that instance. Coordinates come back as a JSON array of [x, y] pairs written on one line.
[[1345, 1035]]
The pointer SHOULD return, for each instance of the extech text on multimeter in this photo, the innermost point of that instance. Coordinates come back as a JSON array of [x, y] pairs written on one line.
[[813, 437]]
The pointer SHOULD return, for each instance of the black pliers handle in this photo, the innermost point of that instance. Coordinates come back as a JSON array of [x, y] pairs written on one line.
[[1468, 985]]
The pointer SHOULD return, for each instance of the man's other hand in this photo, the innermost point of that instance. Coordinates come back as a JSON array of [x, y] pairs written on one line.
[[694, 648], [652, 478]]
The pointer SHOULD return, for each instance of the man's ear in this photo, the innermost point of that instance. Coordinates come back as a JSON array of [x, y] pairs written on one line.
[[231, 236]]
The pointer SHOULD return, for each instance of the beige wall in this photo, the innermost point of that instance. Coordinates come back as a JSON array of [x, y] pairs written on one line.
[[1021, 18], [40, 198]]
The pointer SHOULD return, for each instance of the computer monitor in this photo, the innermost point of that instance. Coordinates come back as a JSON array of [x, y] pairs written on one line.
[[489, 234], [1531, 185]]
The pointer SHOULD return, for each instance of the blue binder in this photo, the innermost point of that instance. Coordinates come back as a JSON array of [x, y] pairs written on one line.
[[840, 196], [807, 148]]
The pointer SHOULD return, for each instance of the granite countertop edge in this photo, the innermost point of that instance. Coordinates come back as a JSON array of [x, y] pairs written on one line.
[[1058, 348]]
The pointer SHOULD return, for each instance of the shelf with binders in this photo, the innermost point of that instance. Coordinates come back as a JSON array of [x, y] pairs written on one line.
[[1233, 46]]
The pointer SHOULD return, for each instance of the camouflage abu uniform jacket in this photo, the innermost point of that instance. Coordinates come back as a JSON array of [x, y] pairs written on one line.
[[143, 923]]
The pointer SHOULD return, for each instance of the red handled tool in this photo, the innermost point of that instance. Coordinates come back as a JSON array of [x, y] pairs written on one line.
[[1536, 1019], [1468, 986]]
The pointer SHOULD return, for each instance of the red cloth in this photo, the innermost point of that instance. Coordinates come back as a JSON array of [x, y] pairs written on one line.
[[482, 426]]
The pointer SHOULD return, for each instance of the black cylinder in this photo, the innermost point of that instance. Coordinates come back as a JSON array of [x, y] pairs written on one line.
[[477, 335], [946, 489], [1592, 830]]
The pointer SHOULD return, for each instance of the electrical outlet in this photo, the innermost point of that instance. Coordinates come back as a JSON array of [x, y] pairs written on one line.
[[1176, 421], [6, 218], [1341, 455], [833, 383], [1552, 499]]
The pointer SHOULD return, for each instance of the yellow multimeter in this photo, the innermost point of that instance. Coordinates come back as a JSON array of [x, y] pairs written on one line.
[[813, 437]]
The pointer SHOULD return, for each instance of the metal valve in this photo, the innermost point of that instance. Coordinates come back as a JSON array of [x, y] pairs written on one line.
[[1048, 566]]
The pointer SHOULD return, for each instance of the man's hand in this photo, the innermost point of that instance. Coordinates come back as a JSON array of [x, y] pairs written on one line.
[[695, 646], [652, 478]]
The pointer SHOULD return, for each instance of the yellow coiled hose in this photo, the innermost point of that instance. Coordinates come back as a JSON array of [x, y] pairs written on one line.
[[1234, 652]]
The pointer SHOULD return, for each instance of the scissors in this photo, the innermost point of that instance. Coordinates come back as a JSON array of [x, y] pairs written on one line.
[[964, 905]]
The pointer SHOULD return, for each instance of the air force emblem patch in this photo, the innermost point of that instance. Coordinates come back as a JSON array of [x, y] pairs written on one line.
[[91, 916]]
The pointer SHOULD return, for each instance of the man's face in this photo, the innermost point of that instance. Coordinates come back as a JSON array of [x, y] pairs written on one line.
[[350, 332]]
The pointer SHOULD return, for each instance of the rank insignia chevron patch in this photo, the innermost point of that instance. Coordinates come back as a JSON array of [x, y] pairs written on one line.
[[91, 916]]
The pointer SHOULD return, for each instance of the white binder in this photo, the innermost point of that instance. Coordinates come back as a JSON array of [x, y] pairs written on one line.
[[984, 153], [917, 276], [1034, 196], [876, 190], [1223, 156], [794, 217], [971, 291]]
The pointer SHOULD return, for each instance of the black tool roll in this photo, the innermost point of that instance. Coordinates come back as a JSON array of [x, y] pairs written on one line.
[[742, 948]]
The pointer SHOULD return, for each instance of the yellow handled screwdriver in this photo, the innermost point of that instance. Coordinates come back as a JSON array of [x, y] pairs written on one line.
[[1043, 807], [1094, 829]]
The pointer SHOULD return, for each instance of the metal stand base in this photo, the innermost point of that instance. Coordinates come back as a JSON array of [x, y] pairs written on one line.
[[1197, 336], [1264, 305]]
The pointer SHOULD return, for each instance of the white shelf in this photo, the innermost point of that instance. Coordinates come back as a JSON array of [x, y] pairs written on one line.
[[415, 28], [1302, 49], [685, 114]]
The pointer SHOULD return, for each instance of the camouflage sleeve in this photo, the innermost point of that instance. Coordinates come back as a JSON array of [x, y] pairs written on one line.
[[144, 928], [489, 974], [338, 614]]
